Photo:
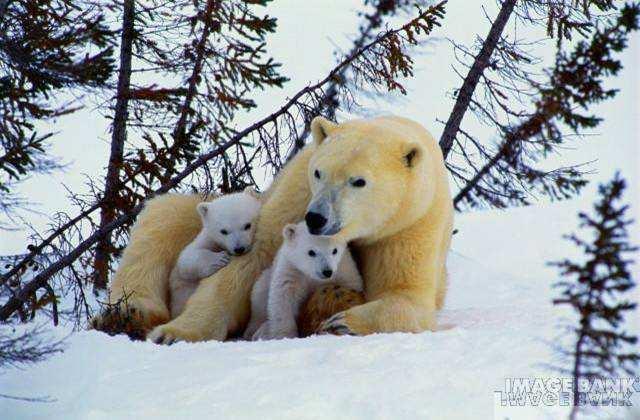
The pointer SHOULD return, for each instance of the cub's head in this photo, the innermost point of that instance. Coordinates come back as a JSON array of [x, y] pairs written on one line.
[[315, 256], [368, 178], [229, 221]]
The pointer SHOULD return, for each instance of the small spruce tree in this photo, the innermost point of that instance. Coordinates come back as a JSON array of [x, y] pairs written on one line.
[[595, 289]]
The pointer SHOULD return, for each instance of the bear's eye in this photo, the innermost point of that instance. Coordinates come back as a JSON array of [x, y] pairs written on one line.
[[316, 173], [224, 231], [247, 226], [312, 253], [335, 251], [358, 182]]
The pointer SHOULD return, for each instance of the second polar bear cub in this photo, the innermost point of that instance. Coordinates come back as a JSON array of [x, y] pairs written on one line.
[[228, 224], [302, 263]]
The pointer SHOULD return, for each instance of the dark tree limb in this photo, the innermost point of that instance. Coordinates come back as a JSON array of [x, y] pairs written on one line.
[[473, 77], [118, 140]]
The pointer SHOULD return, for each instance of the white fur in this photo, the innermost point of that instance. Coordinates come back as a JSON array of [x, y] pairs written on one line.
[[210, 250], [229, 221], [281, 289]]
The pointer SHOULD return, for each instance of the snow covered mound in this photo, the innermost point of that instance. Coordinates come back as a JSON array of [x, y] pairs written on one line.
[[495, 327]]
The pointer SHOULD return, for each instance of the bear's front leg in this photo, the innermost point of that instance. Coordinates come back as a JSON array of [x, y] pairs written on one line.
[[219, 305], [393, 312]]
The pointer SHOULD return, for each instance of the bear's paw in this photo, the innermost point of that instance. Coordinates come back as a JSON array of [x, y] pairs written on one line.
[[336, 325]]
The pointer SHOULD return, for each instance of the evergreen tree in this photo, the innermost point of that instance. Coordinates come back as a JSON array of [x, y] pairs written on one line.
[[47, 48], [595, 290]]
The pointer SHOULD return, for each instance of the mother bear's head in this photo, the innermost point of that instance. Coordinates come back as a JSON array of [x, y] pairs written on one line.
[[369, 178]]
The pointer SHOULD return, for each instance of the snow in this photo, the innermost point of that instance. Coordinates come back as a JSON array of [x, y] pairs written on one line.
[[497, 324]]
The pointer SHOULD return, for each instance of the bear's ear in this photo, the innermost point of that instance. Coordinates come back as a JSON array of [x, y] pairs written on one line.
[[289, 232], [252, 192], [412, 154], [203, 209], [321, 128]]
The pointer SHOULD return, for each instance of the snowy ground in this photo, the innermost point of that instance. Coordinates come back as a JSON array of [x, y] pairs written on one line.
[[497, 324]]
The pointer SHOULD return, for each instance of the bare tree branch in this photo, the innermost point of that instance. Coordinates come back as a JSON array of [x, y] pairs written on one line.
[[473, 77]]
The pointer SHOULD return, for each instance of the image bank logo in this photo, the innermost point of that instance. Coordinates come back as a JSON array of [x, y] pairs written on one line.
[[597, 392]]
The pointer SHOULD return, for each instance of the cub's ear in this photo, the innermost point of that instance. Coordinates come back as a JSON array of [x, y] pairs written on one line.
[[321, 128], [203, 209], [289, 232], [252, 192], [412, 154]]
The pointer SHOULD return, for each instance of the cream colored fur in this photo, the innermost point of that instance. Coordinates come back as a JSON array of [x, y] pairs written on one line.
[[400, 230]]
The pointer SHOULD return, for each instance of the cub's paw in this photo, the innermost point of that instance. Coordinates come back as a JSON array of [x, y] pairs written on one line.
[[262, 333], [267, 331], [336, 325], [215, 264], [224, 260]]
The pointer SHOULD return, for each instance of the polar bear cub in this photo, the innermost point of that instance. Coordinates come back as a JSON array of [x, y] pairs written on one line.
[[303, 262], [228, 224]]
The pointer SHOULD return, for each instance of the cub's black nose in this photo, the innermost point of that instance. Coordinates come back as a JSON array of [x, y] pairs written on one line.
[[239, 250], [315, 221], [327, 273]]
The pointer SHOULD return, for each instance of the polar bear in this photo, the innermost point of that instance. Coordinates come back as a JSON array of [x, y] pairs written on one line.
[[379, 183], [228, 224], [303, 262]]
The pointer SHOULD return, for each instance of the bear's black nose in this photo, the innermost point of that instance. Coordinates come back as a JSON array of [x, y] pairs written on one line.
[[239, 250], [327, 273], [315, 221]]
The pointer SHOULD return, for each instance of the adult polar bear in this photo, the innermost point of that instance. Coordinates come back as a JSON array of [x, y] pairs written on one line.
[[379, 183]]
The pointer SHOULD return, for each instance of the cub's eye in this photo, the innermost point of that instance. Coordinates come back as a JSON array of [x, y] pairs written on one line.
[[312, 253], [316, 173], [247, 226], [224, 231], [335, 251], [358, 182]]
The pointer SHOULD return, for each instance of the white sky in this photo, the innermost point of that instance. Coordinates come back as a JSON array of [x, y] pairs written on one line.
[[307, 35]]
